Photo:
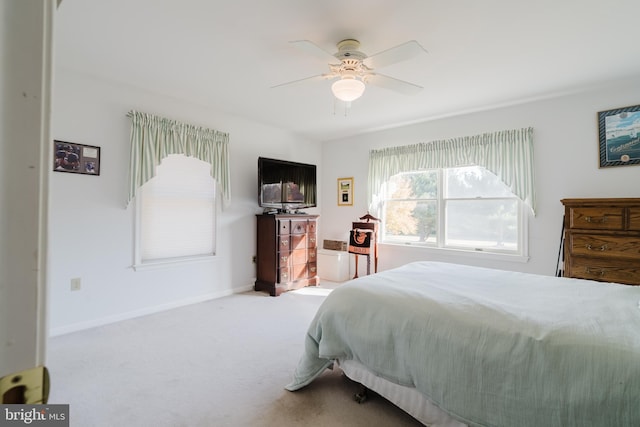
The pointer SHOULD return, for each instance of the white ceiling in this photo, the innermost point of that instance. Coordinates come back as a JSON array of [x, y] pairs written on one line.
[[228, 54]]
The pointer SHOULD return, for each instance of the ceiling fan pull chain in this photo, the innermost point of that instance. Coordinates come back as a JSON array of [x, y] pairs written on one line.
[[347, 107]]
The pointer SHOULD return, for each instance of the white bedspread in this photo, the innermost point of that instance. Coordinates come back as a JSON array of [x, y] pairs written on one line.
[[490, 347]]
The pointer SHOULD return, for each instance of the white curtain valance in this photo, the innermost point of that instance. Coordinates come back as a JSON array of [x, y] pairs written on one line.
[[153, 138], [508, 154]]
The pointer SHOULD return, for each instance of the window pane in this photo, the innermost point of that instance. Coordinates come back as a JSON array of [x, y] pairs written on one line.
[[410, 221], [482, 224], [473, 181], [415, 185], [480, 212]]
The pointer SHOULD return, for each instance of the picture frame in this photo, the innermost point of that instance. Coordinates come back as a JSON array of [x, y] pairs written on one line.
[[76, 158], [619, 136], [345, 191]]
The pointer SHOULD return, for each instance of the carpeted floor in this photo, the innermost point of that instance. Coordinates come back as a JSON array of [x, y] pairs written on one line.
[[220, 363]]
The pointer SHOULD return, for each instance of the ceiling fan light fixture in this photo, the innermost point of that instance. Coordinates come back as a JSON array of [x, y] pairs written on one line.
[[348, 89]]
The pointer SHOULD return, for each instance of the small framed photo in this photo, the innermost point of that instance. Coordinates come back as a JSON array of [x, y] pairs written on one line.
[[76, 158], [345, 191], [619, 136]]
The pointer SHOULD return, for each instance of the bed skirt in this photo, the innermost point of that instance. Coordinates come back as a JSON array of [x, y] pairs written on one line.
[[408, 399]]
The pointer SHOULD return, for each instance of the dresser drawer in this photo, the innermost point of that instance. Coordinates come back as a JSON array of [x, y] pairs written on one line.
[[304, 271], [284, 242], [311, 242], [596, 218], [298, 241], [605, 245], [284, 275], [283, 258], [312, 254], [313, 269], [298, 226], [311, 227], [605, 270], [299, 271], [299, 256], [634, 219], [284, 226]]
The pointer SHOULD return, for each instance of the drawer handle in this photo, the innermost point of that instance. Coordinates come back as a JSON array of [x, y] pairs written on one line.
[[312, 254], [313, 239], [284, 258], [592, 219], [600, 272], [601, 248], [313, 269], [284, 243]]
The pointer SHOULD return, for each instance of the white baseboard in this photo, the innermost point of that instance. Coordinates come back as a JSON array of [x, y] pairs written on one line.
[[80, 326]]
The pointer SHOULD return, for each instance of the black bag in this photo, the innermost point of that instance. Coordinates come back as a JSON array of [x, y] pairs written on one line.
[[360, 242]]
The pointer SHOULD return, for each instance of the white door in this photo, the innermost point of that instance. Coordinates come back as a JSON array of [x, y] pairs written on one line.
[[25, 105]]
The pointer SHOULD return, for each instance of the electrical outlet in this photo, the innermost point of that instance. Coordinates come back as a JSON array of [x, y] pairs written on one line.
[[254, 259], [75, 284]]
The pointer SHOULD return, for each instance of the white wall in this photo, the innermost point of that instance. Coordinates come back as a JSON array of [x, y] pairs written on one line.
[[566, 166], [91, 230]]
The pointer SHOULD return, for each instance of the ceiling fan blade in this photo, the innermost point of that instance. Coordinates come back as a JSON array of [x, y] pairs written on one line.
[[390, 83], [315, 50], [306, 79], [399, 53]]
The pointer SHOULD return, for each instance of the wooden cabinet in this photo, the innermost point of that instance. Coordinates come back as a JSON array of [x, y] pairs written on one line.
[[286, 252], [602, 240]]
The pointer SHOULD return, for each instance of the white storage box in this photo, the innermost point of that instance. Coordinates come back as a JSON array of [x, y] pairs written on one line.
[[333, 265]]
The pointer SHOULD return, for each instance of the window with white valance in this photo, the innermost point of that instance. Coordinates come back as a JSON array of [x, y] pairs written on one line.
[[178, 174], [508, 154], [153, 138], [465, 194]]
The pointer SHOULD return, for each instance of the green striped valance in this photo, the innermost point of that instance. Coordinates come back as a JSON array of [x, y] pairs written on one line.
[[508, 154], [153, 138]]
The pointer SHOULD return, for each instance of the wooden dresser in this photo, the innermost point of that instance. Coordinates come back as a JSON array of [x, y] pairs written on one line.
[[602, 239], [286, 252]]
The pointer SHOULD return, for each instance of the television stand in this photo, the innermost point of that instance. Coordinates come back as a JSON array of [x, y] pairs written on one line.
[[286, 252]]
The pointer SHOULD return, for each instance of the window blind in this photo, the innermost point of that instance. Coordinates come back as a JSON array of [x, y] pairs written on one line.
[[177, 211]]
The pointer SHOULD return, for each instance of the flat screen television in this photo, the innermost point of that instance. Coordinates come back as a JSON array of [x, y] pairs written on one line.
[[286, 186]]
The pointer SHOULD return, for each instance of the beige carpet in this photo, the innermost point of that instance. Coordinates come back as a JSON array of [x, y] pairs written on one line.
[[220, 363]]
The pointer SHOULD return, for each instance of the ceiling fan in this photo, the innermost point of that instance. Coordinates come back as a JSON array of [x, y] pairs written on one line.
[[354, 69]]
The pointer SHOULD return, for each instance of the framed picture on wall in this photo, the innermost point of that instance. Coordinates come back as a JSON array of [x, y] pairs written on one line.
[[619, 136], [345, 191], [76, 158]]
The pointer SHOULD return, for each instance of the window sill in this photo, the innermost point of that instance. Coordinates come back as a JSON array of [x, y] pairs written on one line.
[[171, 262], [494, 256]]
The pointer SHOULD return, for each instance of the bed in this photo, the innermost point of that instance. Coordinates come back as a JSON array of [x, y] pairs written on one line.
[[484, 347]]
